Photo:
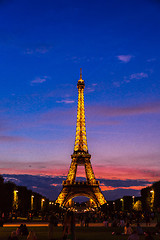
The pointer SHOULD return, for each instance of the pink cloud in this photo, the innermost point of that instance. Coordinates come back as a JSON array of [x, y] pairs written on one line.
[[11, 139], [102, 123], [46, 172], [147, 108], [125, 58], [110, 188], [123, 173], [103, 171], [56, 184]]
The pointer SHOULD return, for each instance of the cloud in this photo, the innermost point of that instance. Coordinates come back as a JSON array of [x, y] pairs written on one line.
[[151, 60], [92, 88], [138, 75], [38, 50], [125, 58], [127, 172], [77, 59], [128, 183], [97, 122], [11, 179], [110, 188], [51, 186], [45, 185], [11, 139], [59, 116], [33, 168], [133, 76], [39, 80], [108, 172], [65, 101], [108, 111]]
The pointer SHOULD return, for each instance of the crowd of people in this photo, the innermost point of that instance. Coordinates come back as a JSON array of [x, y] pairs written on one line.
[[22, 230], [122, 222]]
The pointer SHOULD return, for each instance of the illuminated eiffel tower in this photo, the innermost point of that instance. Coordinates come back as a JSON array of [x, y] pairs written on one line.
[[80, 157]]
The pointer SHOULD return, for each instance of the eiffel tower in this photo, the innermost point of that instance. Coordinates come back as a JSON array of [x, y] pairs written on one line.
[[80, 157]]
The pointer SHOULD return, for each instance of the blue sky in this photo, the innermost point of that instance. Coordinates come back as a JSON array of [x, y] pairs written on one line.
[[43, 44]]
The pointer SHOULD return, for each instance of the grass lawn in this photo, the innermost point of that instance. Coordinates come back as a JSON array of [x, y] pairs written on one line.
[[91, 233]]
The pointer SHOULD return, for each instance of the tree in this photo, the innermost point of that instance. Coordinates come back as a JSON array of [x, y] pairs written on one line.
[[1, 180], [137, 206]]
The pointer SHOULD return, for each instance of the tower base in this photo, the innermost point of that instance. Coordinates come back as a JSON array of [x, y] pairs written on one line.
[[79, 188]]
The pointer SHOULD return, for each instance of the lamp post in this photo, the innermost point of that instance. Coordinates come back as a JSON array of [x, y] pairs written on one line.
[[114, 206], [122, 200], [15, 199], [32, 202], [152, 199], [42, 203], [133, 197]]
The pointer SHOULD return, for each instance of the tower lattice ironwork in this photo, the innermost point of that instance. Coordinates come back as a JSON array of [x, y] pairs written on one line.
[[89, 188]]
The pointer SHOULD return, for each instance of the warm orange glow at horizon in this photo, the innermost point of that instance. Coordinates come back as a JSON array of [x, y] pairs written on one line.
[[110, 188]]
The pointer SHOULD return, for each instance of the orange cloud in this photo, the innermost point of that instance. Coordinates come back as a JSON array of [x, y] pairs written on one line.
[[110, 188], [123, 173]]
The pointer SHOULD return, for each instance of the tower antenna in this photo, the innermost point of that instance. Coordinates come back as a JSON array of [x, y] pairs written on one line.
[[80, 73]]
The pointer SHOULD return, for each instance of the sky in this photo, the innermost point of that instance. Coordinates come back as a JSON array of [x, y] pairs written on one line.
[[43, 45]]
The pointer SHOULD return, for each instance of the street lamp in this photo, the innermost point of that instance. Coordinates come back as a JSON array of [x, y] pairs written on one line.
[[122, 200], [42, 203], [152, 199], [32, 202], [15, 199], [133, 197], [114, 206]]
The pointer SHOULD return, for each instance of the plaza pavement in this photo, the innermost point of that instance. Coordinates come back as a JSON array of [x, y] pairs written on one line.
[[45, 224]]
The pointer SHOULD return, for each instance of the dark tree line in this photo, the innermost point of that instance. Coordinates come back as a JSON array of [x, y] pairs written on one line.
[[150, 197], [23, 198]]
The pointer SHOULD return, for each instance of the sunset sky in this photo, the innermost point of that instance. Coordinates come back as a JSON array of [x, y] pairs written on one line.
[[43, 45]]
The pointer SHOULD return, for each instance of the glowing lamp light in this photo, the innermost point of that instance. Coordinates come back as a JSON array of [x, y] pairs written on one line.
[[152, 200], [32, 207], [15, 199]]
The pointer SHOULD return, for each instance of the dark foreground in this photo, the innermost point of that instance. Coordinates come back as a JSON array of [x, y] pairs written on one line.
[[90, 233]]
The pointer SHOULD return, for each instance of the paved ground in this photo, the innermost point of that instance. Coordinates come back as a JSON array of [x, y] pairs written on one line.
[[45, 224]]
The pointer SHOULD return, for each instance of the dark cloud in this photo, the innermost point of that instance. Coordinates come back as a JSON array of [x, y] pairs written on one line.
[[41, 184], [123, 183], [51, 186]]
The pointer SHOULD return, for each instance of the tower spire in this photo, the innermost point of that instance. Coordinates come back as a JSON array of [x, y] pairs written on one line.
[[81, 138], [80, 73]]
